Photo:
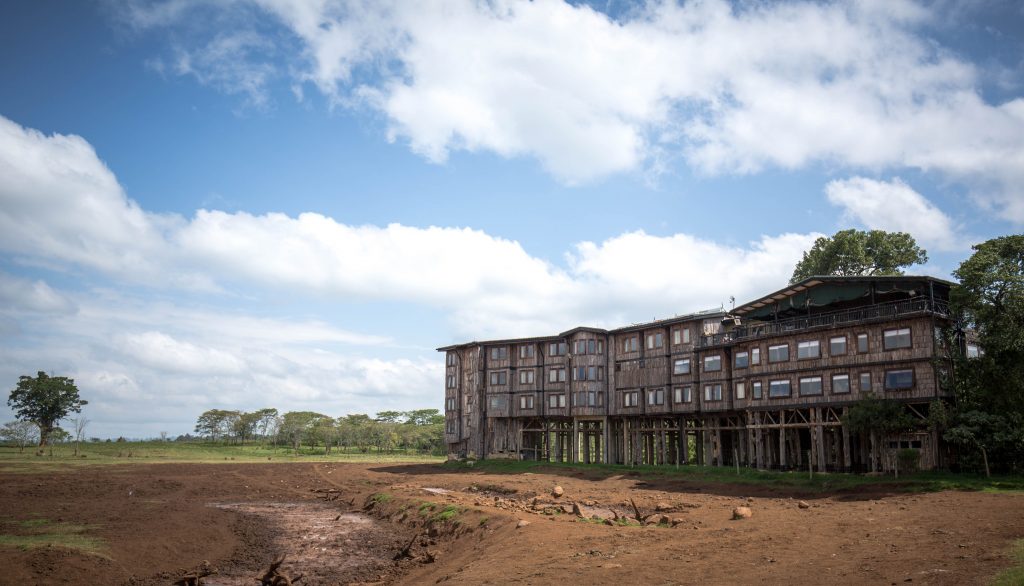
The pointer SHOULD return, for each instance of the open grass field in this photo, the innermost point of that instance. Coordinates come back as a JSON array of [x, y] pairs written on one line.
[[151, 518], [97, 453]]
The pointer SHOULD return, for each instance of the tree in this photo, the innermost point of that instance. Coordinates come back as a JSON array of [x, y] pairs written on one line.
[[21, 433], [79, 426], [299, 425], [874, 416], [990, 301], [265, 419], [45, 400], [860, 253], [216, 423]]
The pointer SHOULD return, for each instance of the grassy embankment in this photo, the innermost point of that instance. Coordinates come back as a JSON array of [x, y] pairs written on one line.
[[40, 532], [783, 481], [100, 453]]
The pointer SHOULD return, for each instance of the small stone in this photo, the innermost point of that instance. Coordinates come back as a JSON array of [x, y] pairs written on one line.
[[522, 523], [557, 491], [803, 505], [677, 521], [662, 506], [742, 513]]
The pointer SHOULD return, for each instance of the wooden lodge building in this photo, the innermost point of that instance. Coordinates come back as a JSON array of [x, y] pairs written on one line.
[[764, 385]]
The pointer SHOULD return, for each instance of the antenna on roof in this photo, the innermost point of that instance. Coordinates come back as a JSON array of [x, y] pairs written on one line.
[[732, 300]]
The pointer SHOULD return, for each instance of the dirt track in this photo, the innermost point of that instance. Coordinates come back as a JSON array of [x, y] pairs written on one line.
[[160, 521]]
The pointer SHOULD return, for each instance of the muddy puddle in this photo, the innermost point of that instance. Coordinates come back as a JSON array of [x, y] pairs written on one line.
[[320, 542]]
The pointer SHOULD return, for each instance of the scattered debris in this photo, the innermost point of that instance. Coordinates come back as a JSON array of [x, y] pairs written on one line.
[[195, 577], [274, 576]]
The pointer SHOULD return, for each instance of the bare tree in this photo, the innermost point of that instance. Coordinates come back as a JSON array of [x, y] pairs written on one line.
[[163, 436], [80, 423], [21, 433]]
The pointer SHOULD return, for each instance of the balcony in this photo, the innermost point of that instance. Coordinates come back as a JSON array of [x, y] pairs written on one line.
[[877, 312]]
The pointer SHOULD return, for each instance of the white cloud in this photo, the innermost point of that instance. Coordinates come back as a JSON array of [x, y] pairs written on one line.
[[895, 206], [732, 88], [135, 351], [36, 296]]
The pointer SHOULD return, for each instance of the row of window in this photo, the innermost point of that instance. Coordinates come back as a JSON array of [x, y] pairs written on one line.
[[808, 386], [555, 375], [656, 340]]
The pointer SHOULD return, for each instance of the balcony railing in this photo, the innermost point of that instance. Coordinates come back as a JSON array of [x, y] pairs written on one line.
[[879, 311]]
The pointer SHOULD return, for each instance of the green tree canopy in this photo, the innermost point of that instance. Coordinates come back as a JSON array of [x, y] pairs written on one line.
[[860, 253], [45, 400]]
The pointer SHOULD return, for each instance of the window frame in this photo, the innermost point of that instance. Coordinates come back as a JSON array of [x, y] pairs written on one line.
[[899, 336], [789, 388], [526, 403], [756, 390], [736, 359], [682, 395], [776, 347], [755, 355], [684, 362], [558, 372], [712, 392], [630, 399], [526, 351], [913, 379], [800, 345], [502, 378], [831, 346], [860, 382], [811, 379], [656, 397], [556, 401], [867, 344], [529, 374], [840, 375], [741, 390], [713, 357]]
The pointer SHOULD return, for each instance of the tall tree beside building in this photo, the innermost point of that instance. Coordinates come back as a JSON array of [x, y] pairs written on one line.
[[860, 253], [989, 387]]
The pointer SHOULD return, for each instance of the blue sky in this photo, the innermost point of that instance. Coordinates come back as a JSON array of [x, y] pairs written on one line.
[[291, 203]]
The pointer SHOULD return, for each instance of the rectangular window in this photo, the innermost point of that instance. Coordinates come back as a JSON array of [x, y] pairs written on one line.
[[686, 335], [862, 343], [712, 363], [741, 390], [526, 402], [499, 353], [451, 426], [499, 378], [451, 359], [742, 359], [497, 402], [973, 351], [526, 351], [808, 349], [755, 389], [556, 401], [840, 384], [810, 385], [526, 377], [865, 381], [449, 403], [656, 397], [677, 336], [778, 353], [631, 344], [655, 340], [755, 356], [682, 395], [895, 339], [837, 346], [630, 399], [778, 388], [556, 375], [681, 366], [556, 349], [588, 373], [899, 379], [588, 399], [712, 392]]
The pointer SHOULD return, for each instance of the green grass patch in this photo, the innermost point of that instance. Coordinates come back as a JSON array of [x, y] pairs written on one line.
[[426, 508], [44, 533], [794, 481], [447, 513], [100, 453], [1013, 576], [380, 497]]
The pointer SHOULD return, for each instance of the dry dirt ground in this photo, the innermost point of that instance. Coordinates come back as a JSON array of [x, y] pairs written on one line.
[[158, 522]]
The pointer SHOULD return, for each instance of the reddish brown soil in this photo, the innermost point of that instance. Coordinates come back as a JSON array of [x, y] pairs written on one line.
[[161, 521]]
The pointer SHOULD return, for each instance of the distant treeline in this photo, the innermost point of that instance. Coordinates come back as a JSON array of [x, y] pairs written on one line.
[[421, 430]]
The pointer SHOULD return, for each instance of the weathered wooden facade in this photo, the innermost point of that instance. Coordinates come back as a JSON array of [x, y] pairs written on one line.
[[763, 385]]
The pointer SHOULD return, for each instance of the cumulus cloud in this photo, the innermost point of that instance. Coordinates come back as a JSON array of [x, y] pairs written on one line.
[[896, 207], [35, 296], [728, 88]]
